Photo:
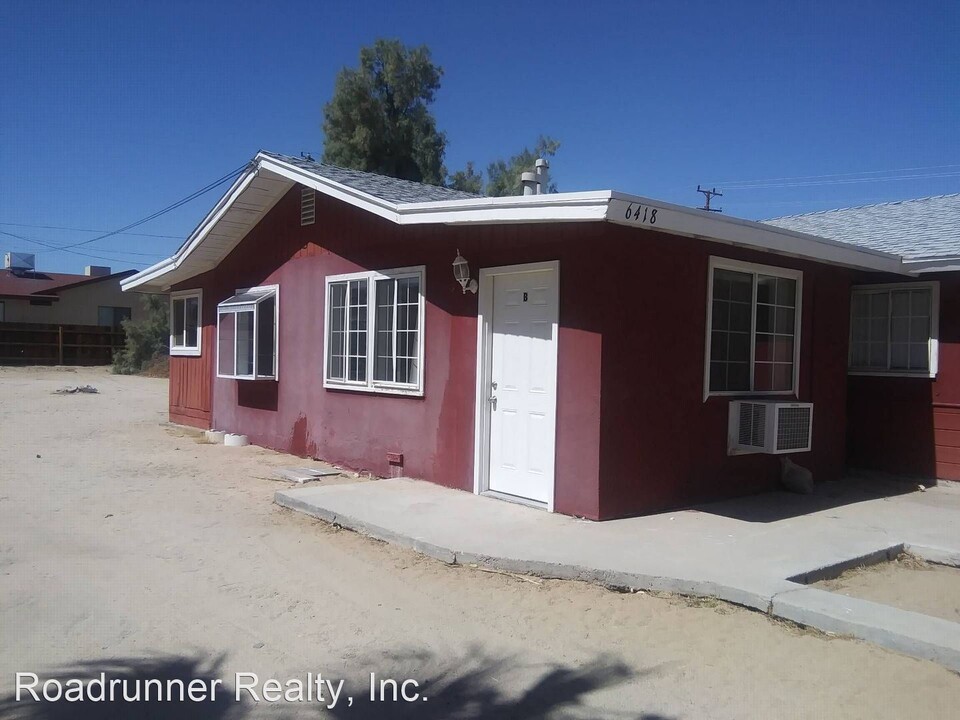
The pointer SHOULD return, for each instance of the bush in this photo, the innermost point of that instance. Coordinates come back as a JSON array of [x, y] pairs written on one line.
[[147, 340]]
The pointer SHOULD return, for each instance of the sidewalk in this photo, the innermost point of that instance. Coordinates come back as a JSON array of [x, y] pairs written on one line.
[[742, 551]]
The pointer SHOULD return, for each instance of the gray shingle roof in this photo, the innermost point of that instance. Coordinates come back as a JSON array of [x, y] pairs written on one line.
[[386, 188], [921, 228]]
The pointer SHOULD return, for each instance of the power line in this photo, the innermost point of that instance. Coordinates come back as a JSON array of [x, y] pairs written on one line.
[[847, 181], [73, 229], [192, 196], [838, 175], [73, 252]]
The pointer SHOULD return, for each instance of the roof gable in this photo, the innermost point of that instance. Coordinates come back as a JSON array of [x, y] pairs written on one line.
[[393, 190]]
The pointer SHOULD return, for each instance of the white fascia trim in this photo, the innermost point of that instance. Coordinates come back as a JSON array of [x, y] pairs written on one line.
[[929, 265], [582, 206], [551, 207], [196, 237], [714, 227], [358, 198]]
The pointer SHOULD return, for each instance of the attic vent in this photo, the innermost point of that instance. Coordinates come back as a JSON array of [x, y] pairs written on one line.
[[308, 205]]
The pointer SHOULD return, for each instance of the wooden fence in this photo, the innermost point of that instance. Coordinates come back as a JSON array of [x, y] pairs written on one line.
[[39, 344]]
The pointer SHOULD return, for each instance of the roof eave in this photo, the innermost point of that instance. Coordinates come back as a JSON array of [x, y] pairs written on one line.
[[595, 206], [691, 222], [921, 266]]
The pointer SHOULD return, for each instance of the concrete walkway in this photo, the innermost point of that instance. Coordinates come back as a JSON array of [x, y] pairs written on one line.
[[757, 551]]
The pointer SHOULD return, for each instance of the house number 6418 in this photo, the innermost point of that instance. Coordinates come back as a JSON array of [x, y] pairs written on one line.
[[641, 214]]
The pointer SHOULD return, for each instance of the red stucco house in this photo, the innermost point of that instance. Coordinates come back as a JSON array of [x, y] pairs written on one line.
[[903, 391], [591, 357]]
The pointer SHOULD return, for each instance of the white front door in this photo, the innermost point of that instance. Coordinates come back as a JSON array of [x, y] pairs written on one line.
[[522, 381]]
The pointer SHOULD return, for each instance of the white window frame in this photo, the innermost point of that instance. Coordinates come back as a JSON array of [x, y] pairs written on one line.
[[370, 385], [933, 342], [722, 263], [267, 290], [187, 350]]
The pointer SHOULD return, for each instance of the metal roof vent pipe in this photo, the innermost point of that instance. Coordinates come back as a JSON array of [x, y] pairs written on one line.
[[529, 182], [542, 170]]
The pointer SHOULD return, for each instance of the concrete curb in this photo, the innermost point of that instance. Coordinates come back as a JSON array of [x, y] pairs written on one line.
[[910, 633], [608, 578], [913, 634]]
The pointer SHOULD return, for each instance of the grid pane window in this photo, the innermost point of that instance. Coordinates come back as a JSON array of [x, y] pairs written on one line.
[[337, 331], [754, 317], [357, 331], [385, 331], [730, 333], [387, 354], [408, 314], [891, 329], [773, 341]]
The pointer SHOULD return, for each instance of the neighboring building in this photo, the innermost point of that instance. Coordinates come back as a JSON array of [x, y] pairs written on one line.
[[903, 397], [597, 369], [94, 298]]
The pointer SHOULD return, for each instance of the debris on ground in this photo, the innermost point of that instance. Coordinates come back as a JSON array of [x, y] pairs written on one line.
[[74, 389]]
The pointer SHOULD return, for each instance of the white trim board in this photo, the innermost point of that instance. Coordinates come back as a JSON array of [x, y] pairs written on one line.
[[268, 178], [481, 425]]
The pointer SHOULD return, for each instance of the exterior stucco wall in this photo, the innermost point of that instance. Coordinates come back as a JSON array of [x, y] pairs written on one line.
[[662, 444], [911, 425], [76, 306], [633, 432]]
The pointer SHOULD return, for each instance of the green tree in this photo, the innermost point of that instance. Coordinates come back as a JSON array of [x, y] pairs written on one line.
[[503, 176], [467, 180], [147, 339], [378, 119]]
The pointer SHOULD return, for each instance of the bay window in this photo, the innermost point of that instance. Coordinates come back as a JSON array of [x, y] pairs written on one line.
[[374, 331], [753, 326], [185, 326], [247, 334], [893, 329]]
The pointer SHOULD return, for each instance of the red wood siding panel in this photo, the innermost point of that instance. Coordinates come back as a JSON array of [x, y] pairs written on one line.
[[190, 383], [633, 432], [911, 426], [662, 446], [946, 435]]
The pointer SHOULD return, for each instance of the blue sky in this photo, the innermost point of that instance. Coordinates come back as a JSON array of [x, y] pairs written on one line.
[[111, 111]]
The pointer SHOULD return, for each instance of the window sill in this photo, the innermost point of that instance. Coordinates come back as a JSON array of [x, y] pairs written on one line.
[[185, 352], [249, 378], [374, 389], [751, 394], [923, 375]]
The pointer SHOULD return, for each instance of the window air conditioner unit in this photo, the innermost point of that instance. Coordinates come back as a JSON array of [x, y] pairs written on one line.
[[767, 426]]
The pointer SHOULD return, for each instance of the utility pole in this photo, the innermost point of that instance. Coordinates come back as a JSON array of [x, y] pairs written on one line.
[[709, 194]]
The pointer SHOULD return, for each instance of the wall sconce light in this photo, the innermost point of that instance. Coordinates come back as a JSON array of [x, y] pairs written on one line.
[[461, 271]]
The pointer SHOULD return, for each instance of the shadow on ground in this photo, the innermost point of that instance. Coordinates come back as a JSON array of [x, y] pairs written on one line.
[[472, 687], [479, 687], [781, 505]]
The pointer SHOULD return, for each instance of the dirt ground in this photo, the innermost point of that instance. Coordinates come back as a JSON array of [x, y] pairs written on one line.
[[128, 546], [908, 583]]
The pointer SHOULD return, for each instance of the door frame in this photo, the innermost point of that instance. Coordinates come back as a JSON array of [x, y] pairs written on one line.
[[481, 438]]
